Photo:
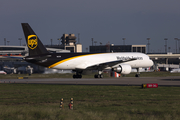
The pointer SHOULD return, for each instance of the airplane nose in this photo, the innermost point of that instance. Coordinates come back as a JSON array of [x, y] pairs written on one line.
[[151, 63]]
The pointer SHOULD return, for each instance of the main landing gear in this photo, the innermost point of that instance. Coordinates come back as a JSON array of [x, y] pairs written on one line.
[[138, 73], [78, 74], [99, 75]]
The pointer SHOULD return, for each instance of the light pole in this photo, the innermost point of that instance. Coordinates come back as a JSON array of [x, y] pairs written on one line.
[[87, 49], [8, 42], [59, 40], [20, 40], [92, 41], [123, 40], [95, 42], [148, 44], [165, 44], [176, 39], [169, 49], [4, 41], [179, 44], [51, 42]]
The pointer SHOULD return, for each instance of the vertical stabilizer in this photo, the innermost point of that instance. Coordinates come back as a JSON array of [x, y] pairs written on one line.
[[33, 42]]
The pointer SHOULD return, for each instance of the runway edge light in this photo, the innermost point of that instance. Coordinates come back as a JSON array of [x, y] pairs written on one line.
[[150, 85]]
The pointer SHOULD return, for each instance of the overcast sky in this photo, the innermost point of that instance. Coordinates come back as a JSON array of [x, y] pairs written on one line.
[[104, 20]]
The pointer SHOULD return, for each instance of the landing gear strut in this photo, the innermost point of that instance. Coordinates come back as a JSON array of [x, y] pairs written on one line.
[[99, 75], [138, 73]]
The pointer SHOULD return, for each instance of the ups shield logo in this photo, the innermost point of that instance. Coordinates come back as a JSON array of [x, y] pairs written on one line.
[[32, 41]]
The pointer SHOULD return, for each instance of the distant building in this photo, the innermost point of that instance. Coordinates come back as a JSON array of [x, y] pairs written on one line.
[[10, 65], [118, 48], [13, 50], [68, 43]]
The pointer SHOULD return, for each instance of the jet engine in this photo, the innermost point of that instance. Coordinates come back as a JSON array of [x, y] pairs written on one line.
[[123, 69]]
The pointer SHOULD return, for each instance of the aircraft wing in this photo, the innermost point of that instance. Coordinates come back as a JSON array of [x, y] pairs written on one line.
[[103, 65]]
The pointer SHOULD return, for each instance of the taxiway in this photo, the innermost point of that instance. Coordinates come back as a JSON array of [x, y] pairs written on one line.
[[161, 81]]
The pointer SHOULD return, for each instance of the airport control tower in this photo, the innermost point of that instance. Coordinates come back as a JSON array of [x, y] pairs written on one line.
[[69, 43], [68, 39]]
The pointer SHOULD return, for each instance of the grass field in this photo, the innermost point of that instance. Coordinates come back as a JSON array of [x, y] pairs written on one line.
[[68, 75], [41, 102]]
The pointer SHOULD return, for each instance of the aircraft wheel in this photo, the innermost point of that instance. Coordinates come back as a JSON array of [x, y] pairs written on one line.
[[74, 76], [137, 75], [98, 76], [77, 76], [95, 76], [101, 76]]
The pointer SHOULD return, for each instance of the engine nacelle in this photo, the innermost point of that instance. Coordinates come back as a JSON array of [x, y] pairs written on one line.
[[123, 69]]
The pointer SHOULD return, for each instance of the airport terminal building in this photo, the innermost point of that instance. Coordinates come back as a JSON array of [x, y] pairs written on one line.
[[117, 48]]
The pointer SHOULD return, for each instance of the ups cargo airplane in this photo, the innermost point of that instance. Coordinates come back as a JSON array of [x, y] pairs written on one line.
[[121, 62]]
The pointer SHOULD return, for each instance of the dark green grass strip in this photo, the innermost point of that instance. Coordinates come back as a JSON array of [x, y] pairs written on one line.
[[39, 101]]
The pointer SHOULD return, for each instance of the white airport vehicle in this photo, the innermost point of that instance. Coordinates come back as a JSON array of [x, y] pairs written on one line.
[[177, 70]]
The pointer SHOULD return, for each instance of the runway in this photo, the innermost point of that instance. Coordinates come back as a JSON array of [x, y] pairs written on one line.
[[161, 81]]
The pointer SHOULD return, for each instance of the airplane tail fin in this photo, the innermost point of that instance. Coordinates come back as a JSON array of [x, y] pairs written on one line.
[[34, 44]]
